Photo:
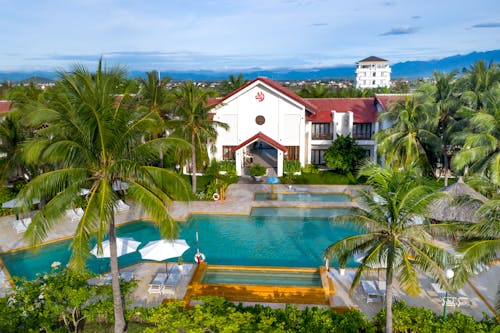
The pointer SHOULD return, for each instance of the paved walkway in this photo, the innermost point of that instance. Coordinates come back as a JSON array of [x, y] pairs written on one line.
[[240, 200]]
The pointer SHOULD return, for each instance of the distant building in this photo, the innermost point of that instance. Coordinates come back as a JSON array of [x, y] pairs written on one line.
[[373, 72]]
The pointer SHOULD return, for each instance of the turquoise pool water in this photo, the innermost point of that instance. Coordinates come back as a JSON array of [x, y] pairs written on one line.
[[256, 240], [266, 277], [306, 197]]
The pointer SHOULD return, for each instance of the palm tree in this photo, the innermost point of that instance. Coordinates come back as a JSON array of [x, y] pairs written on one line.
[[412, 136], [153, 92], [194, 123], [92, 140], [230, 85], [481, 148], [480, 79], [12, 134], [391, 234], [314, 91]]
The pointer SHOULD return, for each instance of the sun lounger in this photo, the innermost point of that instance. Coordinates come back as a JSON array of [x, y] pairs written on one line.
[[21, 225], [454, 299], [171, 283], [121, 206], [300, 189], [156, 286], [438, 290], [125, 276], [74, 214], [371, 291]]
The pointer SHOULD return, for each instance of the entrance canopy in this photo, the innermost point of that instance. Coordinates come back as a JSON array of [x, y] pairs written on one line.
[[263, 137]]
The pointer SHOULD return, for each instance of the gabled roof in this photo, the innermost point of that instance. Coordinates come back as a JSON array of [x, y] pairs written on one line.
[[5, 106], [262, 137], [385, 99], [372, 59], [364, 109], [276, 86]]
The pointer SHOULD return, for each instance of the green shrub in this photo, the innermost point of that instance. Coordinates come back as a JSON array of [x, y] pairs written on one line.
[[311, 168], [6, 194], [257, 170], [291, 166], [228, 166]]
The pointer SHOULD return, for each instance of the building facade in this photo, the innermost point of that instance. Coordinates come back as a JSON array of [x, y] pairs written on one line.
[[267, 120], [373, 72]]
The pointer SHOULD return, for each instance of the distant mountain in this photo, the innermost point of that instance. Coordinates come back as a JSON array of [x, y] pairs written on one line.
[[407, 69]]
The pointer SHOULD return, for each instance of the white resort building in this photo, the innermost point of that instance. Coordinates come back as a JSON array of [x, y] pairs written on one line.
[[373, 72], [270, 121]]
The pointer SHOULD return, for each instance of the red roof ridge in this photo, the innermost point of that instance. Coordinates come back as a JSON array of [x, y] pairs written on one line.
[[263, 137], [273, 84]]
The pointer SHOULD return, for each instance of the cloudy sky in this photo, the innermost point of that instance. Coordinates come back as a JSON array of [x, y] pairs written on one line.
[[240, 34]]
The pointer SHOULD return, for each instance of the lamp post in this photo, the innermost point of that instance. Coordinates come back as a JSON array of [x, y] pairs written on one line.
[[449, 275]]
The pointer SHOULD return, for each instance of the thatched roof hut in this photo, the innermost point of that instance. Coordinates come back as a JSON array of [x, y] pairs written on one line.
[[461, 205]]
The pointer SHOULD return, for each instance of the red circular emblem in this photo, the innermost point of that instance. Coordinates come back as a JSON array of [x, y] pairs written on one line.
[[260, 96]]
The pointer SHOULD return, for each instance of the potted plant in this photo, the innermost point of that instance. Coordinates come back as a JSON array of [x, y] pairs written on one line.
[[257, 171], [179, 263]]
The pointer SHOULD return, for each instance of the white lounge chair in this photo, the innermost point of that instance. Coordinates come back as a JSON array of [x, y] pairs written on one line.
[[171, 284], [371, 291], [125, 276], [74, 214], [156, 286], [21, 225], [121, 206]]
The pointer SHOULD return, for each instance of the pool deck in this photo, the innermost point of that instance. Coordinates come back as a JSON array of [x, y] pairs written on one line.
[[240, 200]]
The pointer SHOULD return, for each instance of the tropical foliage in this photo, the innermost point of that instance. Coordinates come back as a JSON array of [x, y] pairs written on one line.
[[344, 154], [88, 139], [393, 236]]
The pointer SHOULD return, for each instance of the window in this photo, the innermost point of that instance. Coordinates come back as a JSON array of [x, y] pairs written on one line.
[[317, 156], [227, 153], [293, 153], [322, 131], [362, 131], [374, 73]]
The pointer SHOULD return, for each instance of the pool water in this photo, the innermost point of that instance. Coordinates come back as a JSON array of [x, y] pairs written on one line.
[[306, 197], [257, 240], [262, 277]]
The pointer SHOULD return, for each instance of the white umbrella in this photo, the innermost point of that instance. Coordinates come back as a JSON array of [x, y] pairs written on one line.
[[164, 249], [123, 246]]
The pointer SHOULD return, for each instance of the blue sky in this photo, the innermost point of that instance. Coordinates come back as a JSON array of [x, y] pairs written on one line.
[[240, 34]]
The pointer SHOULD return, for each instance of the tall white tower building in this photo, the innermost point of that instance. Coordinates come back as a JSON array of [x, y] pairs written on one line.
[[373, 72]]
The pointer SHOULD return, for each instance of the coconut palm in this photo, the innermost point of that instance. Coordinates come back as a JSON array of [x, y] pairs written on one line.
[[12, 134], [92, 140], [392, 235], [481, 146], [412, 136], [153, 92], [478, 80], [314, 91], [194, 123]]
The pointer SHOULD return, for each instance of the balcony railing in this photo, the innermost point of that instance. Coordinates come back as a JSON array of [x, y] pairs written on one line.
[[325, 136]]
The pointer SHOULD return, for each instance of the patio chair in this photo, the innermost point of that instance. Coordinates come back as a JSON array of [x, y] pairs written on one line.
[[121, 206], [371, 291], [74, 214], [21, 225], [125, 276], [157, 284], [171, 284]]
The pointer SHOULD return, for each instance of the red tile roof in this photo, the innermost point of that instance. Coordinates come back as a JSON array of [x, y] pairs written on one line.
[[5, 106], [262, 137], [364, 109], [276, 86], [385, 99]]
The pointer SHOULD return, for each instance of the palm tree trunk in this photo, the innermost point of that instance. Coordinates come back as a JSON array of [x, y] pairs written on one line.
[[120, 324], [388, 301], [193, 163]]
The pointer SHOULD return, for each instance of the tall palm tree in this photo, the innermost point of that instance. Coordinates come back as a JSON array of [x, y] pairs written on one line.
[[481, 148], [391, 234], [478, 80], [194, 122], [153, 92], [411, 137], [12, 134], [92, 140], [314, 91]]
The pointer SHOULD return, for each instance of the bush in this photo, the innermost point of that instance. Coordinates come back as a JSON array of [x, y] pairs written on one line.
[[311, 168], [344, 154], [5, 195], [257, 170], [291, 166], [228, 166]]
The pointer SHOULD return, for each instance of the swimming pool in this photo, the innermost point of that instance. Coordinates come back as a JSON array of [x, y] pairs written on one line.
[[262, 277], [306, 197], [257, 240]]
